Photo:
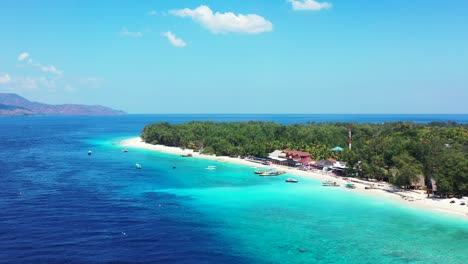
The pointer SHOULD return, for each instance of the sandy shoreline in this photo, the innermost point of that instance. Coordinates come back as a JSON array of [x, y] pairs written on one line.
[[415, 199]]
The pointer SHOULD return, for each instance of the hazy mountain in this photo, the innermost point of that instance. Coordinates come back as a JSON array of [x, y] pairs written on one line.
[[13, 104]]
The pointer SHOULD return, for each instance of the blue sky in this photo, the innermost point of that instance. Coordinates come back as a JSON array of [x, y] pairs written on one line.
[[231, 56]]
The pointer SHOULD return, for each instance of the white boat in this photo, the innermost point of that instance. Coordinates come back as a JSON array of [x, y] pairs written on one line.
[[138, 166], [211, 168], [291, 180], [89, 153], [268, 173]]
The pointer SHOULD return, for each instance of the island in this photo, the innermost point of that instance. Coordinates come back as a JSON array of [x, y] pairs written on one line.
[[15, 105], [430, 157]]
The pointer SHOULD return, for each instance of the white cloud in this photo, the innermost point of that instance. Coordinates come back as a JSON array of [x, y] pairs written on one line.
[[51, 82], [23, 56], [50, 68], [4, 78], [45, 68], [126, 33], [152, 13], [226, 22], [309, 5], [174, 40]]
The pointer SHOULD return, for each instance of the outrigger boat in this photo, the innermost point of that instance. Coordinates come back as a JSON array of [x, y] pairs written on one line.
[[272, 173], [260, 171], [330, 183]]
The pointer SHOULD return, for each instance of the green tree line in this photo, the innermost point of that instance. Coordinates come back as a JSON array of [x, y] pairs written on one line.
[[396, 152]]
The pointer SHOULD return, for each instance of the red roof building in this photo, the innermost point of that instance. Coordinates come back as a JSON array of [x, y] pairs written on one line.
[[306, 160], [296, 155]]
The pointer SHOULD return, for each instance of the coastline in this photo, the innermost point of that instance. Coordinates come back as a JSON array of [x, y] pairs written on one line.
[[414, 199]]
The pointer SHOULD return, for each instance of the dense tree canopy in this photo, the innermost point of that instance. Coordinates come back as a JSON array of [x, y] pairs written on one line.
[[398, 152]]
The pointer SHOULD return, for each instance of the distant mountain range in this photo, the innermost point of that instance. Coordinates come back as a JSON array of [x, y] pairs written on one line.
[[13, 105]]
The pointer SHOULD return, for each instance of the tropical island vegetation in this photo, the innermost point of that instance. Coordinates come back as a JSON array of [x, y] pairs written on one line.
[[395, 152]]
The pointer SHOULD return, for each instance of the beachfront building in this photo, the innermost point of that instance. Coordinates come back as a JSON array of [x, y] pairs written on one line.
[[324, 164], [278, 157], [292, 158], [339, 165], [331, 164], [297, 158], [296, 155]]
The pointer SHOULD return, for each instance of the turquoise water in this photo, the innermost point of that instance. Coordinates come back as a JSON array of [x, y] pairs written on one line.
[[275, 222], [60, 205]]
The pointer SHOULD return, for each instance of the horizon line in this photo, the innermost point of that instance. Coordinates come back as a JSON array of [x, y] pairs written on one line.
[[297, 113]]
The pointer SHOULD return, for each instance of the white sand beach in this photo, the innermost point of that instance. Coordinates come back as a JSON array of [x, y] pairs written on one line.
[[415, 199]]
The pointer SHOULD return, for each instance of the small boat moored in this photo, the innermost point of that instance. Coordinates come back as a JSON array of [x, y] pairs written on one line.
[[260, 171], [90, 153], [186, 155], [125, 150], [291, 180], [268, 172], [211, 168], [137, 166], [272, 173], [330, 183], [350, 186]]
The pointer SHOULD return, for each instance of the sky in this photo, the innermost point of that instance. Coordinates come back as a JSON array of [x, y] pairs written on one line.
[[239, 57]]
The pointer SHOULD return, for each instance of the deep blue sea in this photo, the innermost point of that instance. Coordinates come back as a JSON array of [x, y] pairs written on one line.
[[59, 205]]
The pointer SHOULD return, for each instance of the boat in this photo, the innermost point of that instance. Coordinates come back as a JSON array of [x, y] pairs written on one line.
[[211, 168], [330, 183], [260, 171], [186, 155], [291, 180], [272, 173], [350, 186], [138, 166], [125, 150], [90, 153], [269, 173]]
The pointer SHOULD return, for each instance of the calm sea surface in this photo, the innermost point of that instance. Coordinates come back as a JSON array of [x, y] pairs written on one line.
[[59, 205]]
